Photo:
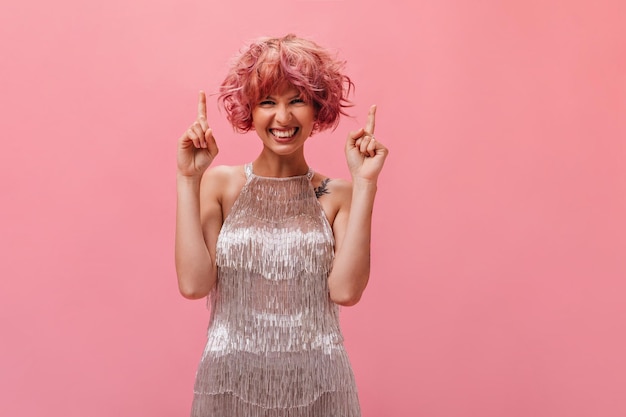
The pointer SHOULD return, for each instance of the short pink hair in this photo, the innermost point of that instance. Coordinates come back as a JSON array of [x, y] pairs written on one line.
[[267, 63]]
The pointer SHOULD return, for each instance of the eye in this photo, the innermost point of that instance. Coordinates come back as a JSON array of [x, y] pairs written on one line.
[[266, 103], [298, 101]]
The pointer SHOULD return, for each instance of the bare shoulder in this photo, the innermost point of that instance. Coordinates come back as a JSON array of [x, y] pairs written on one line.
[[338, 188], [221, 173], [222, 184], [334, 194], [222, 177]]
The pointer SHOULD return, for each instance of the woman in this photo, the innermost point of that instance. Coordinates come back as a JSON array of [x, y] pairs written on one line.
[[274, 244]]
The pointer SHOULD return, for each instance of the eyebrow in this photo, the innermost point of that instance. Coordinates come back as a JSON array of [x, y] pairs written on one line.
[[295, 96]]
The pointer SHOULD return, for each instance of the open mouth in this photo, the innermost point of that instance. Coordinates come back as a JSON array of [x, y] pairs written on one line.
[[284, 134]]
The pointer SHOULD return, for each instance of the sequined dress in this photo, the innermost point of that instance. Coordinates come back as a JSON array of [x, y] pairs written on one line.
[[274, 345]]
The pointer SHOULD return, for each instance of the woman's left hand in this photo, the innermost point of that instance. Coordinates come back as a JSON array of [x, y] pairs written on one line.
[[365, 154]]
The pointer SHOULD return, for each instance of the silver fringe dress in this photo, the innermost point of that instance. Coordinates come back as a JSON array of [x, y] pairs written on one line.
[[274, 345]]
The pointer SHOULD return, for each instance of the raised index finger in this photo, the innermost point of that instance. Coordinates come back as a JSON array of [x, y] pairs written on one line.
[[201, 105], [371, 122]]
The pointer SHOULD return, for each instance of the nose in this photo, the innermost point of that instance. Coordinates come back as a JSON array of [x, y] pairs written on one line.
[[283, 114]]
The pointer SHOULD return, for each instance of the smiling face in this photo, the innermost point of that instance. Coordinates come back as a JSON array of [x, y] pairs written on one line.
[[283, 120]]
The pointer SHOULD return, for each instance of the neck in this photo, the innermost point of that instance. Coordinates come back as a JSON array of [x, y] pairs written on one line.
[[272, 165]]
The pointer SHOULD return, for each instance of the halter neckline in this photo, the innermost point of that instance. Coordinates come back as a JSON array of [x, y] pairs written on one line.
[[250, 173]]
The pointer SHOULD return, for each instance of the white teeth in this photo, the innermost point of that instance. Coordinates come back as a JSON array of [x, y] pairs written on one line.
[[284, 133]]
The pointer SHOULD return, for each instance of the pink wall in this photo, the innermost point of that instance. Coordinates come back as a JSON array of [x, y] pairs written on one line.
[[499, 270]]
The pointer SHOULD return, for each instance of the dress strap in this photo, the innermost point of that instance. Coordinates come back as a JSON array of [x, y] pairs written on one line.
[[248, 169]]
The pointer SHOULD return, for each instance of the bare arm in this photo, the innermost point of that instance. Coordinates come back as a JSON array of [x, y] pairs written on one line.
[[197, 225], [352, 229], [352, 226]]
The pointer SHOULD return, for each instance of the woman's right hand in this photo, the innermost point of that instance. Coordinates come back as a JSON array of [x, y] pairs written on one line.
[[197, 147]]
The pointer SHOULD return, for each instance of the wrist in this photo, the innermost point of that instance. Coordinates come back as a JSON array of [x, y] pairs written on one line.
[[188, 179], [363, 189], [363, 183]]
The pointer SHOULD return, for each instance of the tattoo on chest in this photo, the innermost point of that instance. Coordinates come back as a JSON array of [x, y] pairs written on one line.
[[321, 190]]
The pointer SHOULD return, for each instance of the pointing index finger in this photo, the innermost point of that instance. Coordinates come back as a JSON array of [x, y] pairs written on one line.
[[371, 122], [201, 105]]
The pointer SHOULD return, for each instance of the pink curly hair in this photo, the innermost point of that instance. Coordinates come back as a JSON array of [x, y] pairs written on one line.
[[267, 63]]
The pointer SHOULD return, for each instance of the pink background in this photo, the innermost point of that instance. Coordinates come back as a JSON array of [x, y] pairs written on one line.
[[499, 264]]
